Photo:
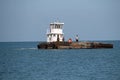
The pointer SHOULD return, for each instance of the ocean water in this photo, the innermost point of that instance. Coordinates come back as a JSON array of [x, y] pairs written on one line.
[[23, 61]]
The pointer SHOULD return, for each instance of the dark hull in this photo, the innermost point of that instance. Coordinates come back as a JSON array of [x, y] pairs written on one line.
[[73, 45]]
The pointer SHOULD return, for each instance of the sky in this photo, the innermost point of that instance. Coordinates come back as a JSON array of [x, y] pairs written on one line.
[[28, 20]]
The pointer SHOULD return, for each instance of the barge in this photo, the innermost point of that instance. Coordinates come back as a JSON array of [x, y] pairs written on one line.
[[55, 40]]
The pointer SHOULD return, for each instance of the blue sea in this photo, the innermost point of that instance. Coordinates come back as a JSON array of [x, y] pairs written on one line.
[[23, 61]]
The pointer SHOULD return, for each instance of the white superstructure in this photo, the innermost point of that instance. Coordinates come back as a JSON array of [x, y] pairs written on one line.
[[55, 32]]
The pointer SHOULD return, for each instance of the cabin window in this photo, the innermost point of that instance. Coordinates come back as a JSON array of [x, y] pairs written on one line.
[[59, 26], [54, 35], [55, 26]]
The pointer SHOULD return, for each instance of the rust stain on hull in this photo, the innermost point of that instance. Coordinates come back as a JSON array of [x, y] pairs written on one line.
[[73, 45]]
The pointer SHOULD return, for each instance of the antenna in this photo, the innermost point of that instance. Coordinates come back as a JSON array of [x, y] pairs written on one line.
[[57, 19]]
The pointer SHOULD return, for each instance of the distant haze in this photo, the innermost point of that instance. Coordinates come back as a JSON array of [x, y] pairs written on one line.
[[28, 20]]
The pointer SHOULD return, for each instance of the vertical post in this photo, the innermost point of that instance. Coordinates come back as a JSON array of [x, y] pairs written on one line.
[[58, 40]]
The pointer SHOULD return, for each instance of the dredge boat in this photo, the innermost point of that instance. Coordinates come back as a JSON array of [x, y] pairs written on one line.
[[55, 40]]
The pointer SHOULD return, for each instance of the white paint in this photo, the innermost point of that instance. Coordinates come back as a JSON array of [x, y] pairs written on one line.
[[55, 31]]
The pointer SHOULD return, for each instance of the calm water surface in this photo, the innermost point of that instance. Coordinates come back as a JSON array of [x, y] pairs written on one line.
[[23, 61]]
